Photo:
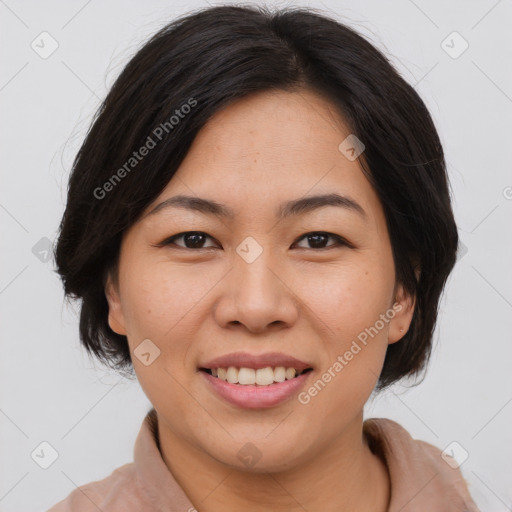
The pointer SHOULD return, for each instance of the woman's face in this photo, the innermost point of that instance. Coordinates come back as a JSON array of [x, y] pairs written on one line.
[[255, 283]]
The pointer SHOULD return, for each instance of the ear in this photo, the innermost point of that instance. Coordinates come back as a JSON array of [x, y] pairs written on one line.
[[115, 311], [403, 306]]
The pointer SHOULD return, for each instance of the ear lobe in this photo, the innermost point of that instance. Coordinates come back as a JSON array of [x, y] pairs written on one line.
[[404, 310], [115, 311]]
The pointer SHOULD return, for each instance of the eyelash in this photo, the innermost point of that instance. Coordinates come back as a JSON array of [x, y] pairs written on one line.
[[340, 242]]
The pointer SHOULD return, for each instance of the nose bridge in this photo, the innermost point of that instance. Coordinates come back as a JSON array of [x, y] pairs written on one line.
[[255, 272], [256, 295]]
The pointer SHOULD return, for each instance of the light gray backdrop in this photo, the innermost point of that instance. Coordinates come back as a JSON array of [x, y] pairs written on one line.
[[58, 59]]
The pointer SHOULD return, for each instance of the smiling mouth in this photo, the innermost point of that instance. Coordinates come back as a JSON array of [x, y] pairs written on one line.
[[255, 377]]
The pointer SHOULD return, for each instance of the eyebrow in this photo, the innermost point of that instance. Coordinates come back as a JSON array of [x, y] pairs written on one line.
[[287, 209]]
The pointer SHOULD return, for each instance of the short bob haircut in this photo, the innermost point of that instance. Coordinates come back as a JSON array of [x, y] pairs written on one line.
[[196, 66]]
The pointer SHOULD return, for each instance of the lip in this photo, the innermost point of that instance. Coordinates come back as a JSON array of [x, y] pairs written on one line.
[[246, 360], [254, 396]]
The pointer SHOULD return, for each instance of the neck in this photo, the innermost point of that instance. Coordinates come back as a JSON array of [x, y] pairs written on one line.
[[343, 476]]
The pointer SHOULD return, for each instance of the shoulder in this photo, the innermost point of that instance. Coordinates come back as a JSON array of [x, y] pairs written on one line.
[[118, 491], [421, 474]]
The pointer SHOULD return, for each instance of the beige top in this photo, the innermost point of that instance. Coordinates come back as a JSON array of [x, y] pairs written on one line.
[[420, 479]]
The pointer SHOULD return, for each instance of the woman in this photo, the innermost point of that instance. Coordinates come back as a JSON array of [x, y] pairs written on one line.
[[259, 227]]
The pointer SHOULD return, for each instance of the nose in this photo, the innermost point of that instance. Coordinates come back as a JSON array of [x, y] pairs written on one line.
[[257, 296]]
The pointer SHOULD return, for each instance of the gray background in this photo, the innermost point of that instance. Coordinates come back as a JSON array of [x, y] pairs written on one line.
[[51, 391]]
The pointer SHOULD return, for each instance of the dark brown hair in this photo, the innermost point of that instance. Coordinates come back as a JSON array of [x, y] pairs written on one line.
[[213, 57]]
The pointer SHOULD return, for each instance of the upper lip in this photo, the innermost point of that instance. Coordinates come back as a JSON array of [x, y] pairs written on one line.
[[246, 360]]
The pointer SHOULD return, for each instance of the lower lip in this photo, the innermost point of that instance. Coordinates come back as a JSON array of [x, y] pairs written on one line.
[[256, 397]]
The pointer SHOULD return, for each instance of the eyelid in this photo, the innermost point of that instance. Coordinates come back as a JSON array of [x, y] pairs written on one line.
[[170, 240], [340, 241]]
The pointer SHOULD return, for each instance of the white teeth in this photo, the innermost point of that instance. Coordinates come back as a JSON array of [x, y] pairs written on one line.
[[250, 376], [247, 376], [290, 373], [264, 376], [280, 374], [232, 375]]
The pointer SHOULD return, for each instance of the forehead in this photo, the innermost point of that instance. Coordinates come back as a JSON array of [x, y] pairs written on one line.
[[270, 147], [276, 126]]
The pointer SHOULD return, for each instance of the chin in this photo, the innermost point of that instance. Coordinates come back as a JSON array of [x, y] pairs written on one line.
[[262, 457]]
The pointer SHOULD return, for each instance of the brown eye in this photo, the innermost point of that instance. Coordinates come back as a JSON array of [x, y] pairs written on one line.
[[191, 240], [318, 240], [196, 239]]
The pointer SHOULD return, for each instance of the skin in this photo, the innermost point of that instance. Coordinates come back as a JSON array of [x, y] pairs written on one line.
[[296, 297]]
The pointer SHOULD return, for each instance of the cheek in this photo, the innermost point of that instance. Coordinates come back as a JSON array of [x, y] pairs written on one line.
[[158, 304], [348, 300], [349, 306], [158, 297], [354, 351]]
